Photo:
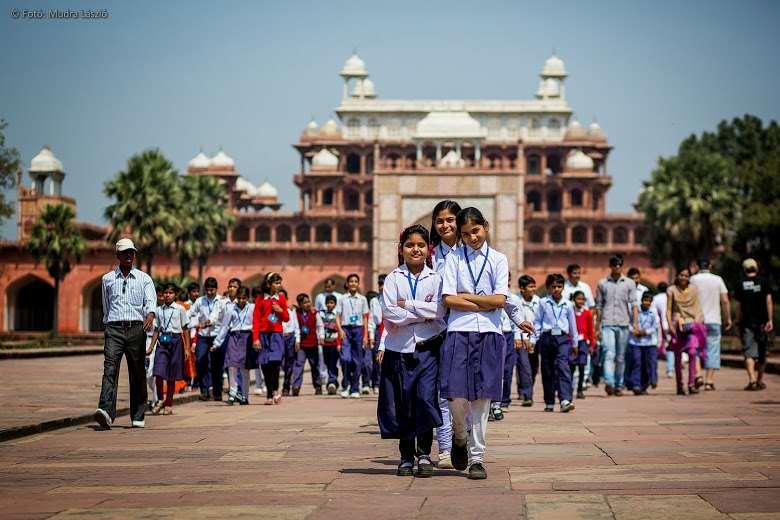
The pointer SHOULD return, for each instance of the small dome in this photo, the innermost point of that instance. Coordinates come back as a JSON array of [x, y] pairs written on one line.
[[554, 66], [324, 159], [452, 160], [595, 133], [222, 160], [45, 161], [354, 67], [577, 160], [200, 161], [244, 185], [368, 88], [266, 190], [575, 132], [330, 128], [312, 128]]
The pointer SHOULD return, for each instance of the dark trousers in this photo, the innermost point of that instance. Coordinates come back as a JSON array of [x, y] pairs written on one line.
[[289, 360], [370, 369], [202, 362], [510, 360], [416, 446], [313, 357], [131, 342], [644, 364], [352, 357], [271, 376], [331, 357], [596, 364], [527, 368], [554, 360], [217, 367]]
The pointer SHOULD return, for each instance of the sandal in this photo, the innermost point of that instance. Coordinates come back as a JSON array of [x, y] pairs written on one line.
[[157, 408], [699, 382], [709, 386], [277, 398], [167, 411]]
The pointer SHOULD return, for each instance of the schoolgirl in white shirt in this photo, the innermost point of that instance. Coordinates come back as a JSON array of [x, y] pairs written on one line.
[[408, 407], [239, 355]]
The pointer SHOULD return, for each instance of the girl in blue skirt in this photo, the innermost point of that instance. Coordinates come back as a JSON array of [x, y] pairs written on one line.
[[239, 355], [475, 288], [408, 407]]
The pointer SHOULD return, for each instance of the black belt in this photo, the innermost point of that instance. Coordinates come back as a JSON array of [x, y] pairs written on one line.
[[431, 344], [125, 324]]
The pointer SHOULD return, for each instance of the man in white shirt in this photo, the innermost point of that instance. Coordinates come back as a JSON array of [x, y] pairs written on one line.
[[714, 301], [574, 283]]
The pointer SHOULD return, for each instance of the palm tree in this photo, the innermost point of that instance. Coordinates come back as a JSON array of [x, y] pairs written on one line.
[[148, 200], [56, 242], [207, 222]]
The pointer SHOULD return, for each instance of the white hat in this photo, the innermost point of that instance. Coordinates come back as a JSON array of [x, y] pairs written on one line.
[[124, 244]]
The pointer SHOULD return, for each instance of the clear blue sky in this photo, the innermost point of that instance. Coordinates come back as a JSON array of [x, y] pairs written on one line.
[[248, 75]]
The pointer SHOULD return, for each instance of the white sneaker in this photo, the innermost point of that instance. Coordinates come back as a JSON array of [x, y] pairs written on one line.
[[445, 462], [258, 391], [345, 394], [365, 390], [355, 395], [138, 424], [102, 418]]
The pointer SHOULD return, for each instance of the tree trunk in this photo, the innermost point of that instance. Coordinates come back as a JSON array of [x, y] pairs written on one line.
[[201, 267], [149, 264], [184, 266], [56, 325]]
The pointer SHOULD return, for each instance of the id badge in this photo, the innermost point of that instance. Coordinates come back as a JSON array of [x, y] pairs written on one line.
[[305, 330], [272, 318], [353, 319], [556, 331]]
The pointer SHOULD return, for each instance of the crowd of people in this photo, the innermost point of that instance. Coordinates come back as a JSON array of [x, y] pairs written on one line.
[[440, 342]]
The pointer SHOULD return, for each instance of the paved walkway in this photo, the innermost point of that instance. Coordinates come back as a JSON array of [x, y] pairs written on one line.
[[715, 455]]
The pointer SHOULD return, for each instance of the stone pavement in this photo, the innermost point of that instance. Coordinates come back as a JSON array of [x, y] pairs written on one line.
[[715, 455]]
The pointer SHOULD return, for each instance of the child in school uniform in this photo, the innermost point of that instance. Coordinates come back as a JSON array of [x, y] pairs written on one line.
[[292, 345], [510, 316], [306, 317], [240, 357], [527, 356], [367, 364], [328, 334], [444, 239], [171, 341], [556, 327], [475, 288], [208, 363], [271, 311], [151, 384], [376, 334], [643, 343], [352, 321], [408, 405], [586, 340]]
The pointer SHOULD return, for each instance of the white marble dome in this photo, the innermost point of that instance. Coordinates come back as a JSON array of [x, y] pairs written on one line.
[[45, 161], [324, 159], [266, 190], [222, 160], [244, 185], [200, 161], [595, 133], [330, 128], [554, 66], [575, 132], [578, 160], [368, 88], [312, 128], [354, 67]]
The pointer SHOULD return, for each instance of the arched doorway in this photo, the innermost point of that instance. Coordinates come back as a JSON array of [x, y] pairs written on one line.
[[92, 307], [30, 305]]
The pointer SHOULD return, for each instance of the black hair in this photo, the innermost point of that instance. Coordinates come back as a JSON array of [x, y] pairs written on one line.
[[210, 283], [662, 287], [242, 291], [329, 280], [330, 298], [182, 295], [525, 280], [256, 291], [170, 286], [571, 268], [647, 295], [158, 288], [350, 275], [380, 280], [575, 294], [616, 259], [554, 278], [633, 271], [283, 291], [449, 205], [703, 262], [300, 298], [470, 214], [192, 286], [237, 280], [370, 295], [416, 229], [268, 279]]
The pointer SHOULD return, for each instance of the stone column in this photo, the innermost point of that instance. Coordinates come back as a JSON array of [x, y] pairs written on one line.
[[362, 164], [438, 153], [477, 153], [419, 151], [273, 234]]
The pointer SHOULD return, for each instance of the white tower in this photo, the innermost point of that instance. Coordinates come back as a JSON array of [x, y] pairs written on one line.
[[552, 76], [354, 68]]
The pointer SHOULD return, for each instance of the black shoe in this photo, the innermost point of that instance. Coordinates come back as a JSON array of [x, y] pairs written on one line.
[[497, 414], [331, 389], [296, 392], [405, 469], [609, 389], [699, 382], [644, 392], [751, 387], [693, 389], [286, 393], [618, 392], [680, 390], [218, 397], [318, 390], [580, 394], [424, 467], [654, 385], [760, 385], [477, 471], [528, 402], [637, 392], [203, 397], [459, 456]]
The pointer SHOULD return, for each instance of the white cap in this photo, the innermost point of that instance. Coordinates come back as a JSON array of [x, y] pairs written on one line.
[[124, 244]]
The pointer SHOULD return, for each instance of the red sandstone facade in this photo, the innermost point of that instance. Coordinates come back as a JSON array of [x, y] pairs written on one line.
[[542, 178]]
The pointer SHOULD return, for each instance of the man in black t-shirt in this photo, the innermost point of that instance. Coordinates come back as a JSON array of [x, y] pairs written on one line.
[[755, 321]]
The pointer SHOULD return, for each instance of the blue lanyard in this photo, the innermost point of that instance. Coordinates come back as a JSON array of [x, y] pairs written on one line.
[[468, 264], [240, 317], [552, 308], [351, 306], [412, 288], [209, 303], [442, 253], [170, 317]]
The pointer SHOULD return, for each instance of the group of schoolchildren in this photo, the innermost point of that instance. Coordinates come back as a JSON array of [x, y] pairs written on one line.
[[439, 344]]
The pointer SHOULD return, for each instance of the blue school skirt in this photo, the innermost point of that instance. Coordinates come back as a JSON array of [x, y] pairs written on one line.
[[169, 359], [273, 347], [472, 365], [239, 352], [408, 403]]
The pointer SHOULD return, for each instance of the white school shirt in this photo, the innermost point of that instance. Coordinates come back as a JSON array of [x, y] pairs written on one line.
[[201, 311], [528, 312], [511, 316], [235, 319], [319, 300], [440, 254], [171, 318], [569, 289], [291, 326], [349, 306], [422, 316], [638, 292], [218, 312], [659, 305], [376, 316], [710, 287], [457, 279], [550, 314]]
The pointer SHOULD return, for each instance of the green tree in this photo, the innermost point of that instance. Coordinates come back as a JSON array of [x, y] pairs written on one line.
[[9, 165], [208, 222], [147, 205], [58, 244], [688, 205]]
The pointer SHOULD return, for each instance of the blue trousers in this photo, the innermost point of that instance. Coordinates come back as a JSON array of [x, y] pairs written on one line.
[[289, 361], [510, 360], [352, 352], [331, 358], [554, 360], [527, 368], [210, 366], [313, 356], [644, 364], [614, 341]]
